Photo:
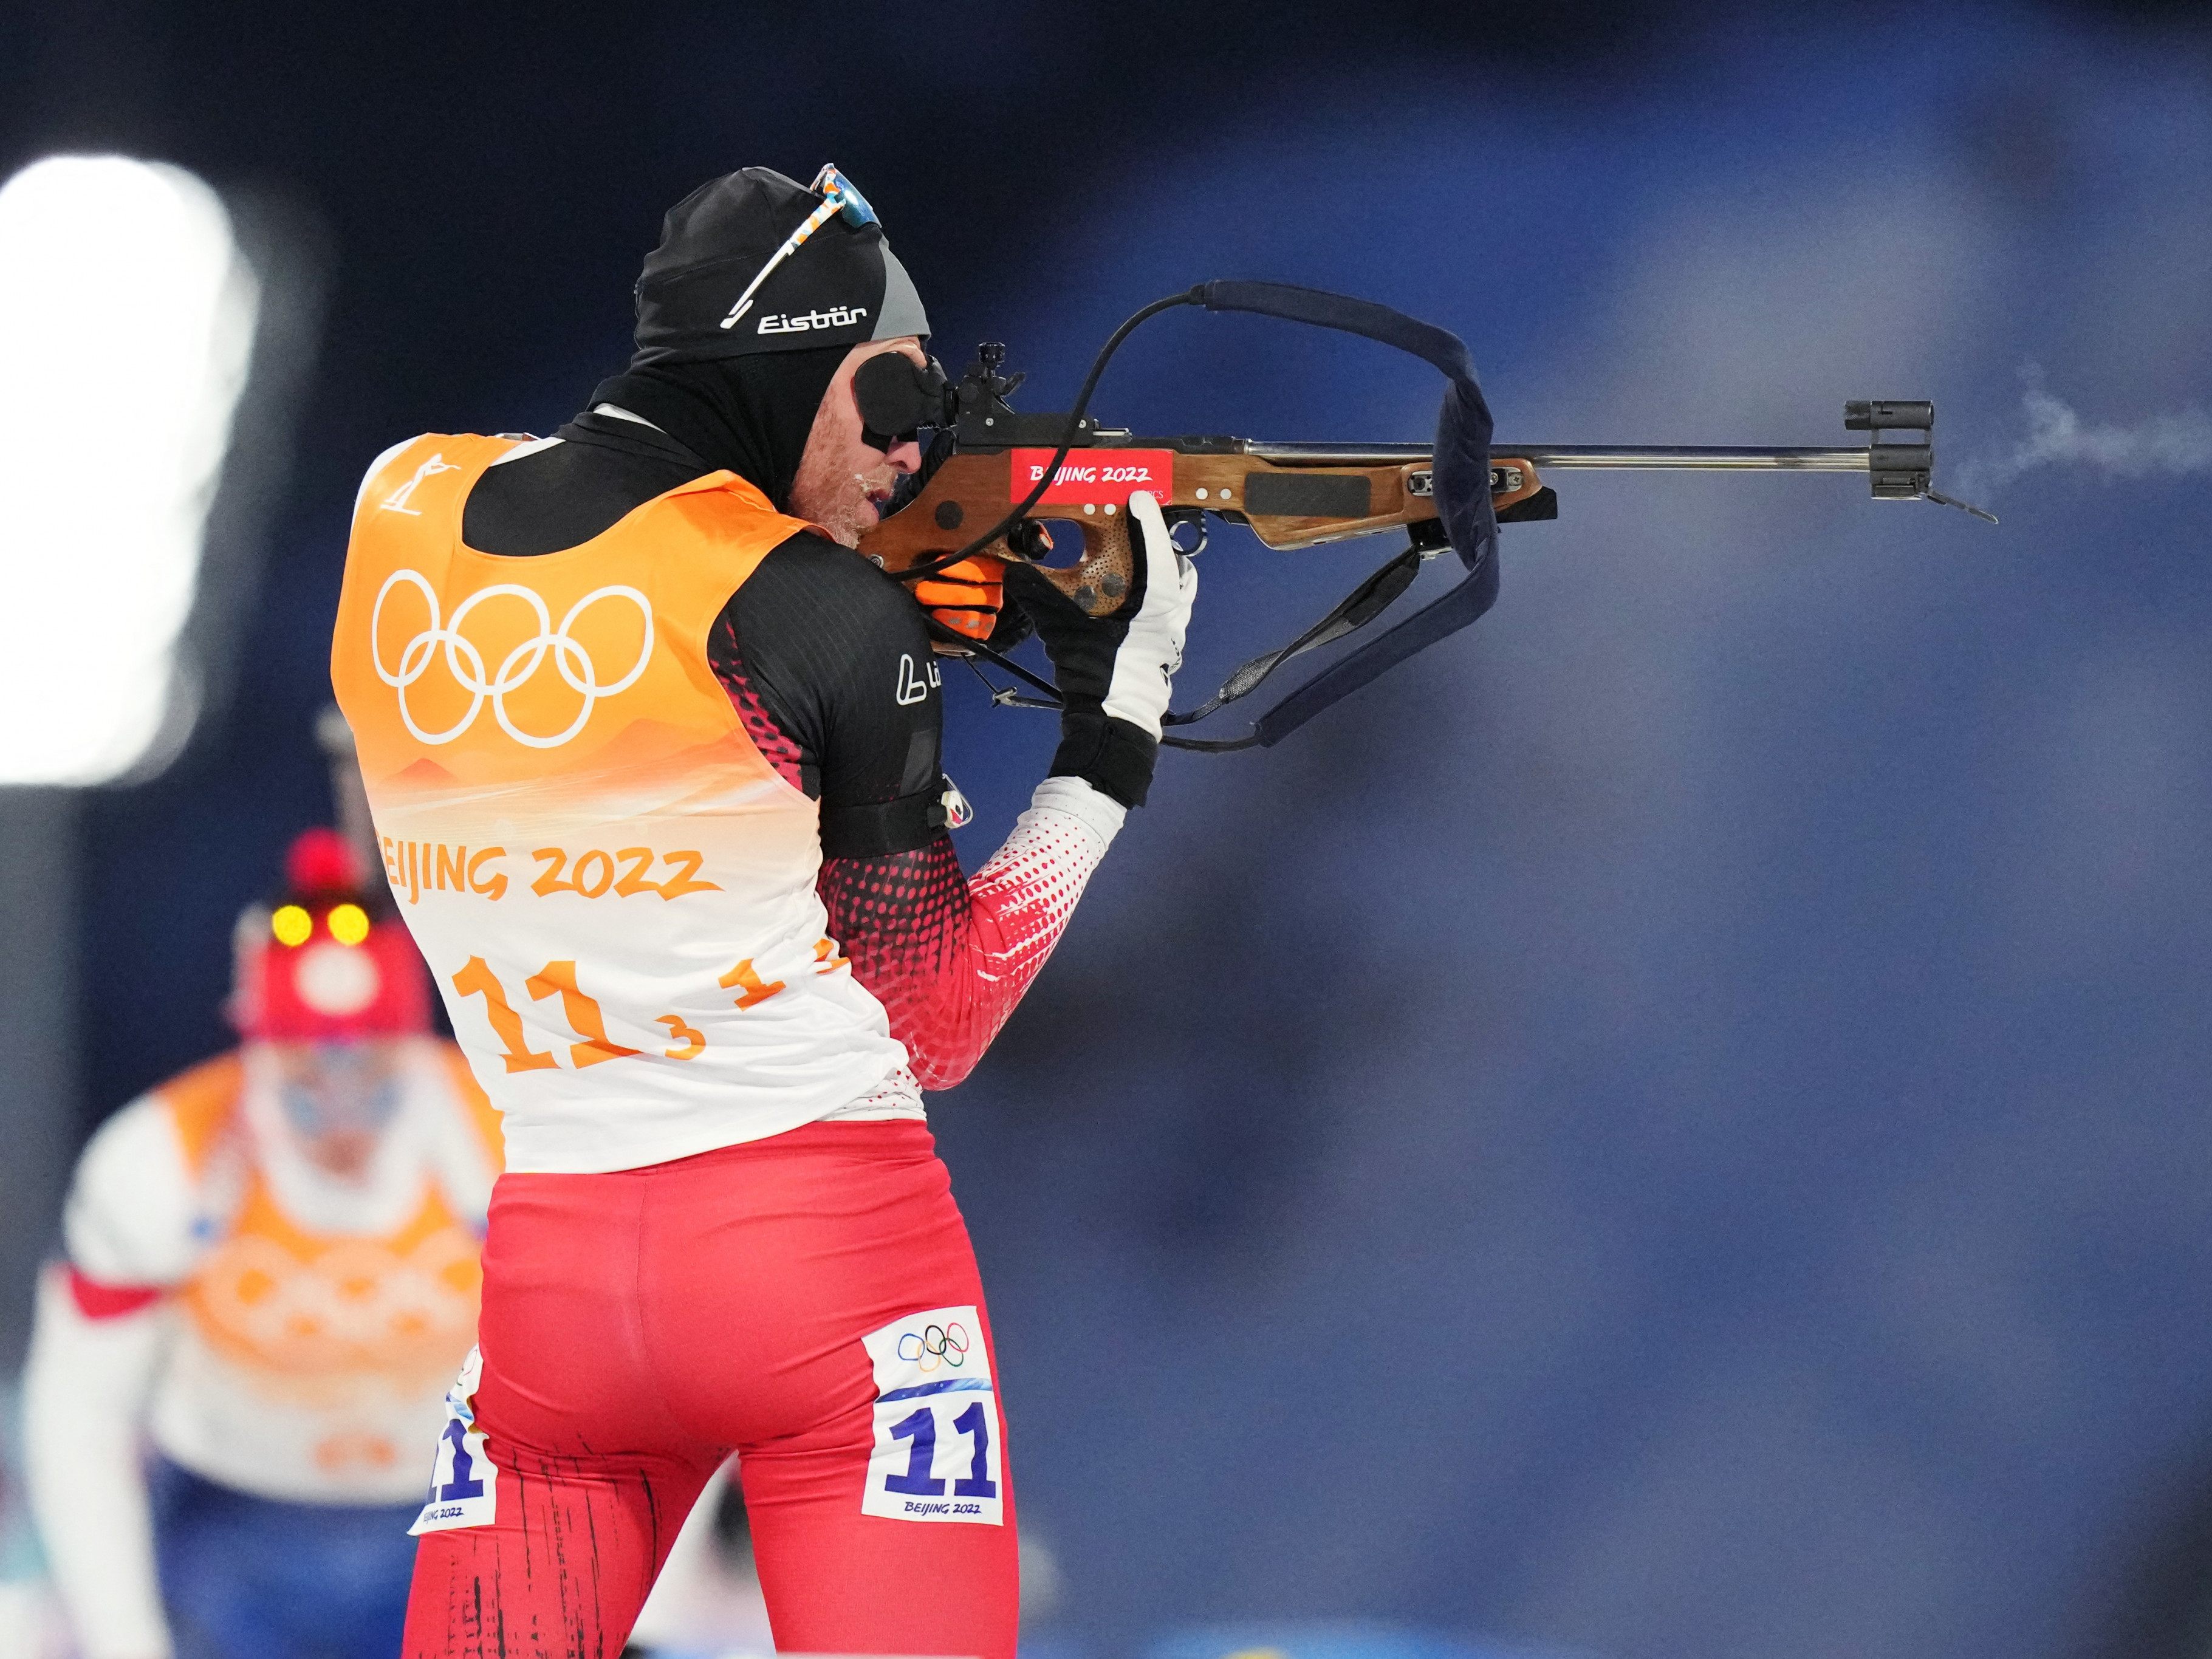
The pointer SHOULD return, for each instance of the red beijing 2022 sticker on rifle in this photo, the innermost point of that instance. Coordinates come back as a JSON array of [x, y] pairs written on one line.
[[1097, 478]]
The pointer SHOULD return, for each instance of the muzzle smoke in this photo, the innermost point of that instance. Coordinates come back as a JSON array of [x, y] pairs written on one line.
[[2056, 436]]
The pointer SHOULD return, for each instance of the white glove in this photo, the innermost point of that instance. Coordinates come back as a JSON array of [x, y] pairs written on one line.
[[1151, 650], [1115, 673]]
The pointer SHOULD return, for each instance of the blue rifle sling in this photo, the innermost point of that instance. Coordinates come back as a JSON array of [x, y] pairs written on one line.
[[1462, 495]]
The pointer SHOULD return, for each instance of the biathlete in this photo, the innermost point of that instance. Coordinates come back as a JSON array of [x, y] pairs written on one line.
[[271, 1266], [653, 759]]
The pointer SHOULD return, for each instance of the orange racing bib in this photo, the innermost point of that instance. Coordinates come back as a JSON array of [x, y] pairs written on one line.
[[613, 887]]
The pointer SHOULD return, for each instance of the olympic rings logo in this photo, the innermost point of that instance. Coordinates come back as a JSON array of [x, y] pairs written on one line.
[[937, 1345], [466, 664], [361, 1306]]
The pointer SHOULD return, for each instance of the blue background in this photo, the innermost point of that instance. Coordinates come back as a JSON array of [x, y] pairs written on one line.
[[1677, 1124]]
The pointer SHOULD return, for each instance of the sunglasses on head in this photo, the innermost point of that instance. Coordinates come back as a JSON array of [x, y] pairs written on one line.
[[839, 198]]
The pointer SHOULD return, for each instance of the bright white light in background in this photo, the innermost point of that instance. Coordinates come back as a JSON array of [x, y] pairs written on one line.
[[126, 323]]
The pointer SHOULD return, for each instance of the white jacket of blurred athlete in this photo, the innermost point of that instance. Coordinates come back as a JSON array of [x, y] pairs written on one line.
[[270, 1323]]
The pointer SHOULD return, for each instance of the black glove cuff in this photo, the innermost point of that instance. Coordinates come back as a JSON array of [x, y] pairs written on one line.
[[1110, 755]]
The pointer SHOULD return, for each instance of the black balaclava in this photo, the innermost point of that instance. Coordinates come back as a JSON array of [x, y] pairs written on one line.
[[736, 377], [751, 415]]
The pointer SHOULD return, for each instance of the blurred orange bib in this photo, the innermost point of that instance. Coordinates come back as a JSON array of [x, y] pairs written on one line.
[[310, 1358]]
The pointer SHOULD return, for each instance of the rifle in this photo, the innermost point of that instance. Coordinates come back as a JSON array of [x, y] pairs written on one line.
[[990, 466]]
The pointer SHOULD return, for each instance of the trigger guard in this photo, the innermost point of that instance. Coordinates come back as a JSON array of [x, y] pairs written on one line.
[[1186, 518]]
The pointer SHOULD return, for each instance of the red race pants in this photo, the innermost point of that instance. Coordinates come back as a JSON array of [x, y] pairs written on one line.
[[810, 1302]]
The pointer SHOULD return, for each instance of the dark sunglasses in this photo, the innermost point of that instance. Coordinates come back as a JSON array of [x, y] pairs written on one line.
[[897, 396]]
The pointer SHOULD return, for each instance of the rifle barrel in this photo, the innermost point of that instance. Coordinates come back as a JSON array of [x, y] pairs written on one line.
[[1677, 458], [1695, 458]]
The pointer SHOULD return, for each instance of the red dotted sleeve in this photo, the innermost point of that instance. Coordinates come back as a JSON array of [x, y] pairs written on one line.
[[949, 956]]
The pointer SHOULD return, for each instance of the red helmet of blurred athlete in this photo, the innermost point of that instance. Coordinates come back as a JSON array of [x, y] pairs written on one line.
[[329, 963]]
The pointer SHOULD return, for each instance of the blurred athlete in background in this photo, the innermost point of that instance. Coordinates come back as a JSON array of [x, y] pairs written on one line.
[[271, 1265], [654, 756]]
